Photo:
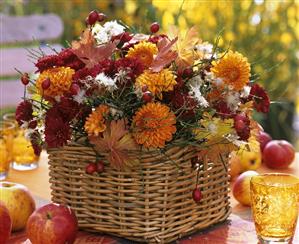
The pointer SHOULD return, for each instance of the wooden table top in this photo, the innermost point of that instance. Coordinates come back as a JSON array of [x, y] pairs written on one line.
[[238, 230]]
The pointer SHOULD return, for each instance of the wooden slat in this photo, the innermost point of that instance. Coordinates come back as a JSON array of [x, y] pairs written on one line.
[[11, 93], [12, 58], [29, 28]]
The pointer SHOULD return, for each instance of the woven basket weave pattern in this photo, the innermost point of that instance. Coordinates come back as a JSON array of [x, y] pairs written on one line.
[[151, 203]]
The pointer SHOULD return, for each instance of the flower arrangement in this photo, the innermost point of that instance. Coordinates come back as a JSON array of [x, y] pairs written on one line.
[[127, 91]]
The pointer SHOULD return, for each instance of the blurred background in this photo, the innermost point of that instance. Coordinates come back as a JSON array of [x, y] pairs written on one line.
[[266, 31]]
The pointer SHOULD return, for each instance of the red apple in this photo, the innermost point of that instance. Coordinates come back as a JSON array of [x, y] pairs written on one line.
[[52, 224], [263, 139], [241, 188], [278, 154], [5, 223], [19, 203]]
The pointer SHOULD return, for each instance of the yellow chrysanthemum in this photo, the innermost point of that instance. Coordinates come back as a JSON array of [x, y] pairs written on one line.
[[157, 82], [95, 123], [60, 81], [153, 125], [233, 68], [144, 51]]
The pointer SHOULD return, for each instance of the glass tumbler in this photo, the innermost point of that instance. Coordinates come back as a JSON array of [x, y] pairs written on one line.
[[6, 141], [23, 153], [275, 206]]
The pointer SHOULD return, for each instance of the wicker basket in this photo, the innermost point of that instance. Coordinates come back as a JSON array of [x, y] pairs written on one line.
[[150, 203]]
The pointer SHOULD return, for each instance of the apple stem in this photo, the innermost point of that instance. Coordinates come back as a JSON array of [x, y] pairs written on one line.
[[49, 216]]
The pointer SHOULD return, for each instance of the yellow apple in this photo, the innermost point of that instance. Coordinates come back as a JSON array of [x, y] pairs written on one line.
[[235, 165], [19, 203], [241, 188]]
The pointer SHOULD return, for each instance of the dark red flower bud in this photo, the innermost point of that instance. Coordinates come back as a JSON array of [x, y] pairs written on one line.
[[46, 83], [100, 166], [25, 79], [93, 17], [154, 27], [91, 168], [101, 17], [196, 195], [74, 89]]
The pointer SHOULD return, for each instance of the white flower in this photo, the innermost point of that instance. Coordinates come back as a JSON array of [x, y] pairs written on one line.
[[210, 77], [103, 34], [195, 92], [233, 100], [106, 81], [234, 138], [206, 49], [79, 98], [245, 92], [213, 128], [112, 28]]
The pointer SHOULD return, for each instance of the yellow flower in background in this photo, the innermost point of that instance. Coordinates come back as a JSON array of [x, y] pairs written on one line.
[[60, 81], [157, 82], [95, 123], [144, 51], [233, 68], [153, 125]]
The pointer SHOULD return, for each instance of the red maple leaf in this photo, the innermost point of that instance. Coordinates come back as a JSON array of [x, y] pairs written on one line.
[[165, 55], [88, 52]]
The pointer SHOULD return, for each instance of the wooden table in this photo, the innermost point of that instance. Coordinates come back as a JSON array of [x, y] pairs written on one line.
[[238, 230]]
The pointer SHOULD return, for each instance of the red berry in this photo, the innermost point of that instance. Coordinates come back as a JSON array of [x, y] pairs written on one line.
[[91, 168], [147, 97], [46, 83], [25, 79], [239, 125], [100, 166], [154, 27], [101, 17], [74, 89], [92, 17], [196, 195]]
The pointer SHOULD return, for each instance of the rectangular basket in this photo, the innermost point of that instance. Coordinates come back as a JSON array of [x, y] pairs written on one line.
[[150, 203]]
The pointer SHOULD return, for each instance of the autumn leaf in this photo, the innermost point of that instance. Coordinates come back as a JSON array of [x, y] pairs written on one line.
[[88, 52], [165, 55], [116, 142], [185, 47]]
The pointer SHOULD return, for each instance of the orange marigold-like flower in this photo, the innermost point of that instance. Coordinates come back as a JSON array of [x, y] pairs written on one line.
[[157, 82], [233, 68], [60, 81], [153, 125], [95, 123], [144, 51]]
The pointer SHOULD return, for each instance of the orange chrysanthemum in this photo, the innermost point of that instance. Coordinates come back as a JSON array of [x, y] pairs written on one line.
[[144, 51], [60, 81], [233, 68], [153, 125], [95, 123], [157, 82]]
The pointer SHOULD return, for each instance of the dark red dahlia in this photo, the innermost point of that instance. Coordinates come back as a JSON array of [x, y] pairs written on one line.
[[242, 126], [57, 132], [66, 109], [132, 66], [24, 112], [46, 62], [67, 58], [222, 109], [261, 100], [36, 141], [182, 100]]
